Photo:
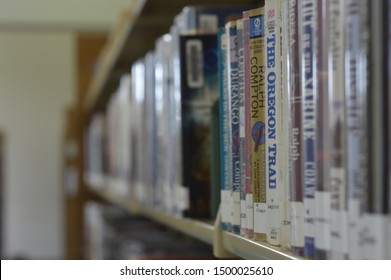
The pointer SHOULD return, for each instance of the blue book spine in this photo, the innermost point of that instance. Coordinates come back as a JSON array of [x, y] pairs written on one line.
[[233, 93]]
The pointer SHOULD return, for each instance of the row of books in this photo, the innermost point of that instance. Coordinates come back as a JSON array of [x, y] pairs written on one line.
[[277, 114], [313, 142]]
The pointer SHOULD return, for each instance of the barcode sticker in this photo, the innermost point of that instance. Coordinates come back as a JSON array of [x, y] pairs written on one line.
[[208, 23], [194, 62]]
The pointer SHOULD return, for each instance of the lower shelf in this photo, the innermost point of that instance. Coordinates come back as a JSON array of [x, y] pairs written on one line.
[[226, 244]]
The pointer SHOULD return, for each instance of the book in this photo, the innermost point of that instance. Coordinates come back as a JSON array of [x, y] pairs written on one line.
[[308, 56], [199, 91], [286, 227], [94, 158], [273, 122], [295, 98], [233, 121], [373, 234], [338, 188], [138, 95], [388, 122], [163, 96], [248, 132], [356, 87], [150, 153], [124, 139], [258, 102], [215, 160], [243, 211], [322, 195], [226, 190]]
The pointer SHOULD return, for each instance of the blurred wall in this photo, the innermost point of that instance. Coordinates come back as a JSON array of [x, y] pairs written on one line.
[[74, 14], [37, 80], [37, 84]]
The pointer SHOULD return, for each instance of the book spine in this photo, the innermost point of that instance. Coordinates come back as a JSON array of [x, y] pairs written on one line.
[[374, 230], [308, 54], [215, 160], [240, 38], [258, 129], [286, 128], [225, 195], [388, 125], [181, 193], [295, 98], [138, 89], [338, 220], [233, 93], [356, 59], [151, 141], [322, 195], [248, 132], [273, 116]]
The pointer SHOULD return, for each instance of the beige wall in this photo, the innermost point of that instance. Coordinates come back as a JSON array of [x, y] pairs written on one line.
[[75, 14], [37, 80]]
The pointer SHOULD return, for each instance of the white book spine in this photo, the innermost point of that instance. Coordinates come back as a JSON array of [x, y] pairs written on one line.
[[338, 187], [308, 56], [286, 123], [274, 144]]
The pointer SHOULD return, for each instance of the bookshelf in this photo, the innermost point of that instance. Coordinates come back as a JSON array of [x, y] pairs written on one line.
[[127, 43], [225, 244]]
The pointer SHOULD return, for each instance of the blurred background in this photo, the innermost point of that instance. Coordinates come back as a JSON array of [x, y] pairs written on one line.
[[48, 50]]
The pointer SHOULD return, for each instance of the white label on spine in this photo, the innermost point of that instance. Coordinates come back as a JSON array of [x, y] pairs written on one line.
[[322, 221], [260, 217], [183, 198], [339, 227], [194, 62], [353, 219], [339, 220], [236, 212], [225, 206], [373, 236], [309, 217], [243, 219], [208, 23], [249, 211], [297, 218], [241, 122]]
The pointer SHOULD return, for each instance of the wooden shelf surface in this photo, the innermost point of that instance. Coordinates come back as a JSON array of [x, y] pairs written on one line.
[[202, 230]]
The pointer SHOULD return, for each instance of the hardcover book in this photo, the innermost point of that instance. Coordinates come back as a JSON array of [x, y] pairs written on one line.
[[199, 91]]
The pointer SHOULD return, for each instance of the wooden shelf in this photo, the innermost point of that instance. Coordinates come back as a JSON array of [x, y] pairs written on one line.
[[232, 245], [252, 250]]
